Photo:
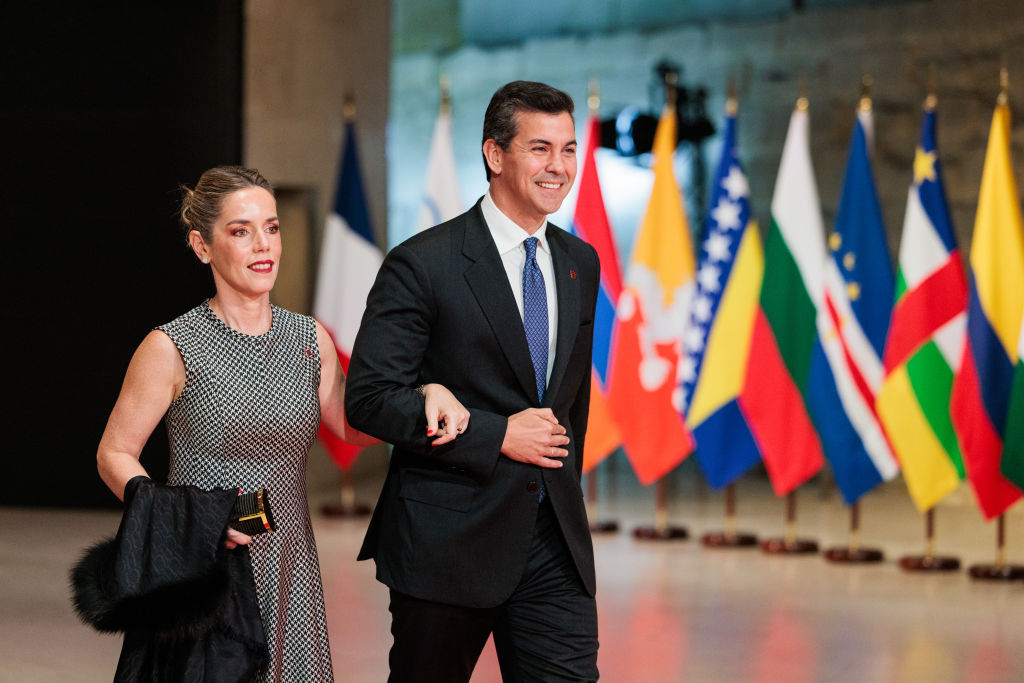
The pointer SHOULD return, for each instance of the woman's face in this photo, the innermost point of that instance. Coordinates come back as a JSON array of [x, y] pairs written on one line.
[[245, 249]]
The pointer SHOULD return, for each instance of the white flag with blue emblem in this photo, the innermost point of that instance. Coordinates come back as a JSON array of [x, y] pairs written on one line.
[[441, 199]]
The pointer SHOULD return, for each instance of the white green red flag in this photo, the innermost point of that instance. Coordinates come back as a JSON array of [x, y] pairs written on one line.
[[779, 382]]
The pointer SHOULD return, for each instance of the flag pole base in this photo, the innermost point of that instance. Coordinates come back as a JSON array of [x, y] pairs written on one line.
[[721, 539], [607, 526], [854, 556], [997, 572], [339, 510], [926, 563], [654, 533], [782, 546]]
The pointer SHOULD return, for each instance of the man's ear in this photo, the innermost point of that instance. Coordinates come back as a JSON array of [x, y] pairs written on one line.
[[494, 155]]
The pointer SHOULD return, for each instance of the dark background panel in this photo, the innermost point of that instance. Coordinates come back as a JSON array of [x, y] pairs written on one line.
[[105, 113]]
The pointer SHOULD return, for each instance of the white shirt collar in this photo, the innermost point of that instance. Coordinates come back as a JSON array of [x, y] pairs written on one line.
[[507, 234]]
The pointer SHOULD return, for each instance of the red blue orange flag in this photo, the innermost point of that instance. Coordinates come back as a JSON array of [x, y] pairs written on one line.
[[590, 223]]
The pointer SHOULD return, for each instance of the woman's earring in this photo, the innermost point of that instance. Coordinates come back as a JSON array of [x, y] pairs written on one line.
[[206, 260]]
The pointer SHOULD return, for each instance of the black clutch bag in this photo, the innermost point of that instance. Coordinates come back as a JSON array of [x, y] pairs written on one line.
[[251, 514]]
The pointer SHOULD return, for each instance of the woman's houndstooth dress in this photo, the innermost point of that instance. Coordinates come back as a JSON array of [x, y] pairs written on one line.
[[245, 419]]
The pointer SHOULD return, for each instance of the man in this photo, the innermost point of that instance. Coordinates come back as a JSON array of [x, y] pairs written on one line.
[[488, 533]]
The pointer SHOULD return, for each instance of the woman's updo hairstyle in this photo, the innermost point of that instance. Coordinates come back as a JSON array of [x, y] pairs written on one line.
[[200, 207]]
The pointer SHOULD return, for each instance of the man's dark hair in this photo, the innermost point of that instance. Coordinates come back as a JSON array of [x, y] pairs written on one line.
[[500, 122]]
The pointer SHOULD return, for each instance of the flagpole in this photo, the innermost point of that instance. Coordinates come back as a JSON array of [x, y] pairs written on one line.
[[929, 562], [347, 507], [597, 526], [662, 530], [790, 544], [730, 538], [853, 553], [446, 94], [1001, 570]]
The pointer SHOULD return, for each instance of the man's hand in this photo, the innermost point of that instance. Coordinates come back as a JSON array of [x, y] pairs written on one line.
[[534, 436]]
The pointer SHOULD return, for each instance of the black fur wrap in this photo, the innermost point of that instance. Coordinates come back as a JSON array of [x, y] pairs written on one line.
[[183, 601]]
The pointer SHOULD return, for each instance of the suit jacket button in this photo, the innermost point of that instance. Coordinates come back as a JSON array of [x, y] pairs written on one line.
[[532, 487]]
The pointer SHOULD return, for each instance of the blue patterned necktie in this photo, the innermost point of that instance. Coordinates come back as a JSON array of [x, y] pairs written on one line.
[[535, 320]]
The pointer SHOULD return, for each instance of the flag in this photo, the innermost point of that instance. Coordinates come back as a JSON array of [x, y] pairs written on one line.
[[926, 335], [716, 341], [776, 388], [1013, 440], [995, 304], [349, 260], [441, 199], [590, 223], [650, 314], [857, 303]]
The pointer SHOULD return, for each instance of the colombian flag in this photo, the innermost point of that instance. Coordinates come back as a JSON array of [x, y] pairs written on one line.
[[590, 223], [651, 313], [981, 389]]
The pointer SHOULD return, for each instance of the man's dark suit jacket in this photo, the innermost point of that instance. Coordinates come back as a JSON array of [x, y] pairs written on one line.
[[454, 523]]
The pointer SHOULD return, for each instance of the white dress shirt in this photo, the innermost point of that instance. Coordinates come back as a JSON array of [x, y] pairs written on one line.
[[509, 238]]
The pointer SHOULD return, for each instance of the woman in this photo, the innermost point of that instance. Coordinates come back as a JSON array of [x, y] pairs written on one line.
[[244, 386]]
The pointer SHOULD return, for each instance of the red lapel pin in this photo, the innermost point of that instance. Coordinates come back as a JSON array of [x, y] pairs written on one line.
[[572, 274]]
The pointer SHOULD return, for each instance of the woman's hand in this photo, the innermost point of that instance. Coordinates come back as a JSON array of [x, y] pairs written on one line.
[[236, 538], [441, 406]]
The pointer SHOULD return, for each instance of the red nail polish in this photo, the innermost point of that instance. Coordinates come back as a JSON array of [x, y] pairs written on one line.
[[430, 432]]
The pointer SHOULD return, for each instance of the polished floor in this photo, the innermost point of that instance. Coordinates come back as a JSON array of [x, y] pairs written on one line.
[[669, 611]]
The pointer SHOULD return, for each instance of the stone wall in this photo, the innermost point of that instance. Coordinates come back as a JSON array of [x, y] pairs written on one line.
[[301, 58], [830, 48]]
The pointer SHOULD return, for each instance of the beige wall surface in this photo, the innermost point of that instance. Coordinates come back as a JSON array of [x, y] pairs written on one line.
[[301, 58]]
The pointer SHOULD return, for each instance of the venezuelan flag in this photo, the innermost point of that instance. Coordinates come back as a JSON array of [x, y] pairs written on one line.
[[981, 389]]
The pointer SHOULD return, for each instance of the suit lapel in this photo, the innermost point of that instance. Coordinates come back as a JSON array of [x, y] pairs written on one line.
[[567, 291], [486, 278]]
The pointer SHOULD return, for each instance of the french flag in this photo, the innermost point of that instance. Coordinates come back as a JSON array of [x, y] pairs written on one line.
[[349, 261]]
